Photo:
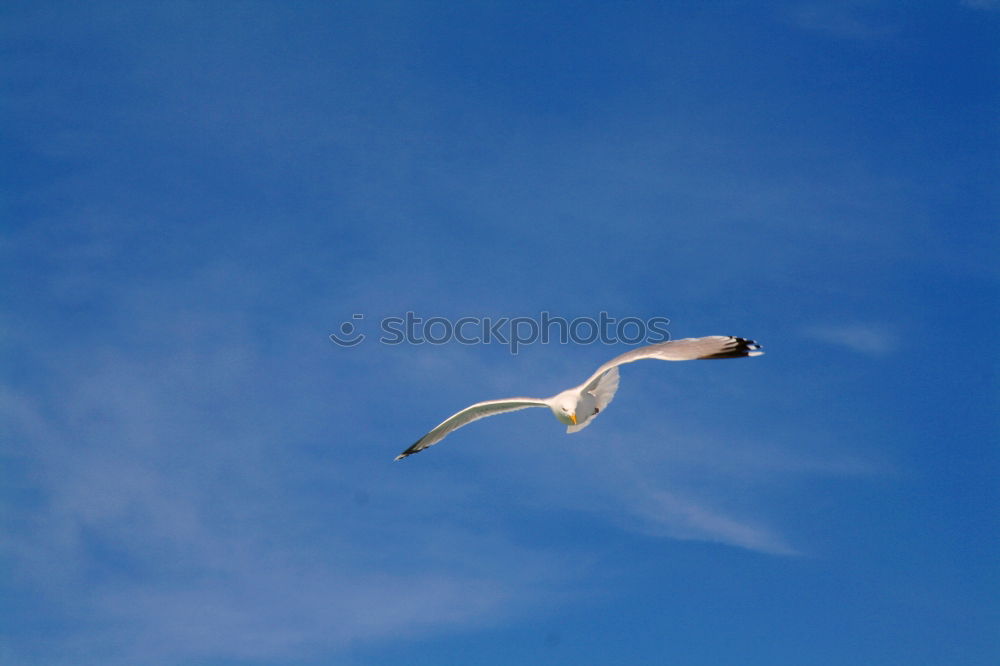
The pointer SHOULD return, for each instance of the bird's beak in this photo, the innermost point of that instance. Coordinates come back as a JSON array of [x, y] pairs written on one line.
[[573, 416]]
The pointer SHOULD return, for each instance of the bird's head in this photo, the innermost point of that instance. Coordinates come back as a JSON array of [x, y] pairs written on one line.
[[564, 407]]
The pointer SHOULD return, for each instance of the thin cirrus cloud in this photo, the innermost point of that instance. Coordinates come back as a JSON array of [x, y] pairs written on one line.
[[982, 4], [157, 534], [851, 20], [670, 515], [863, 338]]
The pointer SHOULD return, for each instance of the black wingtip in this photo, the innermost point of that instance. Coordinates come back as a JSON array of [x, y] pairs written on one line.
[[741, 347], [748, 347], [415, 448]]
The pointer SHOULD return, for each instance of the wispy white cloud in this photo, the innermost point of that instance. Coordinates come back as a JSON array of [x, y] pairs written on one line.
[[680, 518], [171, 523], [690, 489], [982, 4], [847, 19], [865, 338]]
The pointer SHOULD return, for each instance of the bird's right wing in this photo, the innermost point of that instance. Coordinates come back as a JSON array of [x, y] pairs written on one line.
[[471, 413]]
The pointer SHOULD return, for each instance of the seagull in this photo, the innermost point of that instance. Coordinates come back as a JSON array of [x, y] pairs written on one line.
[[579, 406]]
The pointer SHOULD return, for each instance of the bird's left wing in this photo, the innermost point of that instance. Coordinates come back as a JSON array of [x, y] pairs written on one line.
[[687, 349], [468, 415]]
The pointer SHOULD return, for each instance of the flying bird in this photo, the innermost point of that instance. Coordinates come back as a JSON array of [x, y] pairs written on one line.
[[579, 406]]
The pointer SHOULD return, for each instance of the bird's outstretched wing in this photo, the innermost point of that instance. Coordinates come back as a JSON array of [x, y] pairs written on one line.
[[468, 415], [687, 349]]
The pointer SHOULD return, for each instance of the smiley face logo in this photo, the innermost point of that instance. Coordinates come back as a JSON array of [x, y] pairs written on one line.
[[349, 335]]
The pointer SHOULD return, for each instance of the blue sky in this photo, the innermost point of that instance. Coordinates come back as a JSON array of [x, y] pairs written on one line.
[[195, 195]]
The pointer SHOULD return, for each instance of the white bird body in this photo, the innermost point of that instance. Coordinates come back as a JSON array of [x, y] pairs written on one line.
[[577, 407]]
